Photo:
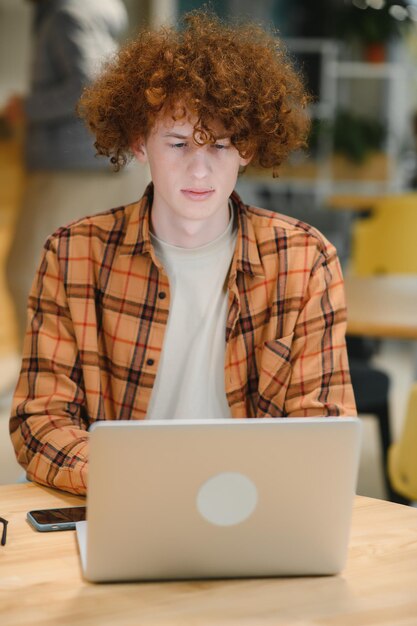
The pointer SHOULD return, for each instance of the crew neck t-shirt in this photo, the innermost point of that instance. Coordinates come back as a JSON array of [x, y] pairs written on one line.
[[190, 379]]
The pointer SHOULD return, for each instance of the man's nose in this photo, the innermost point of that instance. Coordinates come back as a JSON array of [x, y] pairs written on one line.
[[199, 165]]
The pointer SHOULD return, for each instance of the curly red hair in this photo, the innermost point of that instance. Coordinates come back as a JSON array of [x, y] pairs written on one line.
[[239, 75]]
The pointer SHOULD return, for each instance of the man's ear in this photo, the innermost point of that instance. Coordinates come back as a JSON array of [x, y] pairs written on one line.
[[139, 150], [245, 162]]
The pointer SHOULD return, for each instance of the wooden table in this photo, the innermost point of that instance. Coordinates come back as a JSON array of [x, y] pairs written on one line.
[[382, 306], [41, 583]]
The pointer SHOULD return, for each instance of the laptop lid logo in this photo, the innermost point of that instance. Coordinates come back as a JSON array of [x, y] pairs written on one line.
[[227, 499]]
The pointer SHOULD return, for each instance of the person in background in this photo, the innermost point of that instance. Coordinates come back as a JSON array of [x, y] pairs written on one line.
[[72, 39], [188, 304]]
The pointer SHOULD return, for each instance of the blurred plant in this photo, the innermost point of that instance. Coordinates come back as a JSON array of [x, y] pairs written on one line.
[[357, 136], [318, 130], [375, 21]]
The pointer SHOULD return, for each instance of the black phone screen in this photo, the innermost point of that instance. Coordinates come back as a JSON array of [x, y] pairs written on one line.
[[56, 516]]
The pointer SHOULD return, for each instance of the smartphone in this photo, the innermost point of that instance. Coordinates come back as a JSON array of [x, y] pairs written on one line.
[[46, 520]]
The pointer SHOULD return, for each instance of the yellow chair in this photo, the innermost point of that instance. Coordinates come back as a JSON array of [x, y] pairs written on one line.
[[402, 456], [385, 243]]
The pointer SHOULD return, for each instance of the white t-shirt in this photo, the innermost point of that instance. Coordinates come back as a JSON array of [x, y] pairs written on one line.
[[190, 378]]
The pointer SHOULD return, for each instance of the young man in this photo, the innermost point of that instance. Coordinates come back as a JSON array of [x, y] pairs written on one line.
[[187, 304]]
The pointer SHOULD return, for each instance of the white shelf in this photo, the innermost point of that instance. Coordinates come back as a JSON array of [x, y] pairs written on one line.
[[357, 69], [337, 80]]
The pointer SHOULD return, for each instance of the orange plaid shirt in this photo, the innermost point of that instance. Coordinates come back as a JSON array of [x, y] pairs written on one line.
[[98, 311]]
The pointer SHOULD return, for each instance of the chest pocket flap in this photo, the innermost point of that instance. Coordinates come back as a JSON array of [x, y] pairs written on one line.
[[274, 366]]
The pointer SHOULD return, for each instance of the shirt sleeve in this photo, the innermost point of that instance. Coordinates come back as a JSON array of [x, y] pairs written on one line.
[[320, 382], [49, 424]]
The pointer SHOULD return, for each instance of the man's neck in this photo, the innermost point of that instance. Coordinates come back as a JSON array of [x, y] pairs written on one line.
[[187, 233]]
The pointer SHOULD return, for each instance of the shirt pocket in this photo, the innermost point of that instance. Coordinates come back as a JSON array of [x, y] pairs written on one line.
[[275, 370]]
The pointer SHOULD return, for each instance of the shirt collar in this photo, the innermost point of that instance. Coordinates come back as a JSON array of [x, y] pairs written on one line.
[[138, 241], [137, 238], [247, 256]]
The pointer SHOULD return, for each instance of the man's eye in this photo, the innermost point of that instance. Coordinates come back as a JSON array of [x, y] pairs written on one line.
[[220, 146], [178, 145]]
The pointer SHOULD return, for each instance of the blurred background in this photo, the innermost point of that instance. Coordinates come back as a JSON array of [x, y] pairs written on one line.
[[356, 181]]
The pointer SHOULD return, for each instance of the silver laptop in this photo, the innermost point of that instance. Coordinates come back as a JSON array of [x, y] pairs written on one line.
[[216, 499]]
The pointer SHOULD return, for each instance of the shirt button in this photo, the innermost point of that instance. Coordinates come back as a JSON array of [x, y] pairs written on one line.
[[150, 362], [162, 295]]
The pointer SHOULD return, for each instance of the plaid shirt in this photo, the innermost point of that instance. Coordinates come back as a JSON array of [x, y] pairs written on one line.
[[98, 311]]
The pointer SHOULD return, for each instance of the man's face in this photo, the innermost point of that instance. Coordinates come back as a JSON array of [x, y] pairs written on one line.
[[192, 183]]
